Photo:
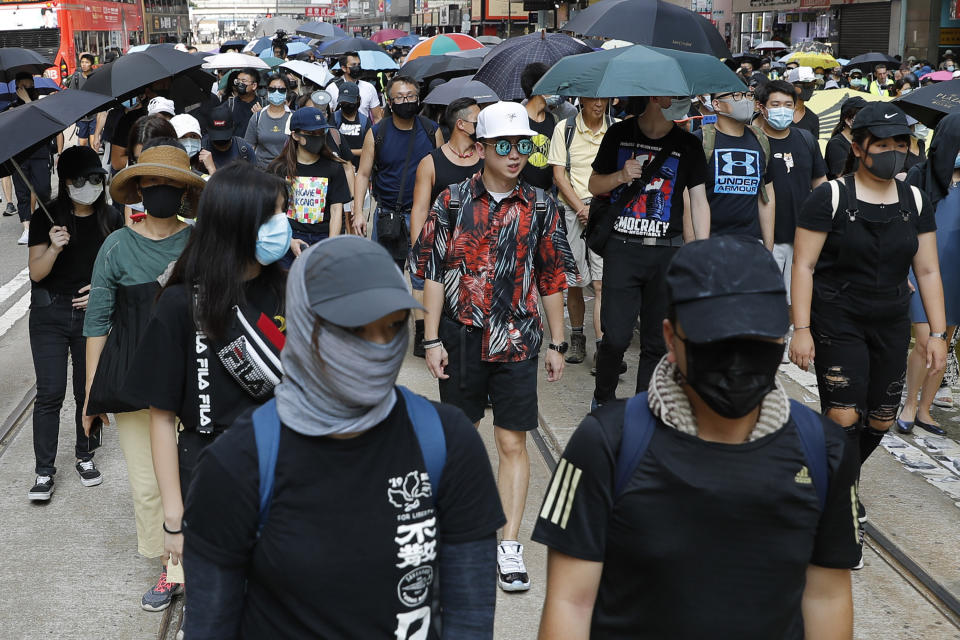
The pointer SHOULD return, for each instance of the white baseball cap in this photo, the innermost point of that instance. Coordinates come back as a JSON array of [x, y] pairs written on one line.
[[185, 123], [801, 74], [160, 105], [503, 119]]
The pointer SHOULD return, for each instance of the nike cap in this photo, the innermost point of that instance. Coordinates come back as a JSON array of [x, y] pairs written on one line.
[[882, 120]]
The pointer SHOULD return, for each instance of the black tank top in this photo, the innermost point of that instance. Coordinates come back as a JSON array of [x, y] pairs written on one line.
[[445, 173]]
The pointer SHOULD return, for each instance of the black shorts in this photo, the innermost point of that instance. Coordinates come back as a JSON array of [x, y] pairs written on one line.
[[511, 386], [861, 343]]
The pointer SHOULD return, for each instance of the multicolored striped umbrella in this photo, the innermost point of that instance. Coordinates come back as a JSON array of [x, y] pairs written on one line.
[[444, 43]]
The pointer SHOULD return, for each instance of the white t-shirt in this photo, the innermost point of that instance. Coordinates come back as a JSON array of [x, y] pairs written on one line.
[[368, 97]]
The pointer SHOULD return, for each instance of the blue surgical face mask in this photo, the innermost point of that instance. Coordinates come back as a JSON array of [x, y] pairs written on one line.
[[956, 162], [276, 98], [273, 239], [780, 117], [191, 145]]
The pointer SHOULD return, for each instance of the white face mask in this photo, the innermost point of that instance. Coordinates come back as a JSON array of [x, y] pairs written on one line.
[[87, 194]]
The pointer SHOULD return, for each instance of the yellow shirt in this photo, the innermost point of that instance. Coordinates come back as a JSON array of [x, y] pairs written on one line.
[[583, 149]]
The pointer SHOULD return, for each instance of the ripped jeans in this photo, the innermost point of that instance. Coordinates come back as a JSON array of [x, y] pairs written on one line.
[[861, 340]]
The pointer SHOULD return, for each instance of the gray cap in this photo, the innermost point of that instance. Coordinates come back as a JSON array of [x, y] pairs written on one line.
[[352, 281]]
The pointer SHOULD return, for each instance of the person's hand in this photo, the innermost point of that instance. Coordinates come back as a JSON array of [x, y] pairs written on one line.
[[89, 420], [80, 302], [298, 246], [256, 107], [173, 545], [913, 289], [583, 213], [936, 355], [632, 169], [802, 350], [59, 238], [206, 159], [437, 360], [554, 364], [359, 223]]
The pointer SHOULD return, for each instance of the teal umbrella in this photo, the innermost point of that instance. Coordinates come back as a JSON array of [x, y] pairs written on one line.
[[638, 71]]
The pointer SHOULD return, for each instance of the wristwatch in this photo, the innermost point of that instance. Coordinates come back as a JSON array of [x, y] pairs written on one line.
[[560, 348], [942, 335]]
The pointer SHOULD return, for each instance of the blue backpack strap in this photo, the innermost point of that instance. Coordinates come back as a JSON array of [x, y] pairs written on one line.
[[429, 430], [266, 431], [638, 427], [810, 430]]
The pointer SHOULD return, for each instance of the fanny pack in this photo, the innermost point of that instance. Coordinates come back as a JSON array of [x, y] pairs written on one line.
[[252, 358]]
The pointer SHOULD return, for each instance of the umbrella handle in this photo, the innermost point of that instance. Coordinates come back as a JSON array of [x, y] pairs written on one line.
[[16, 165]]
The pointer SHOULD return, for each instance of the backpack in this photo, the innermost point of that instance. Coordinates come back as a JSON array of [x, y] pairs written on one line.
[[710, 142], [639, 424], [835, 196], [378, 134], [456, 202], [426, 425], [808, 139], [570, 127], [364, 123]]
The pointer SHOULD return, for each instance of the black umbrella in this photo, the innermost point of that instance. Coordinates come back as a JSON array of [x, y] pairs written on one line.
[[931, 103], [29, 125], [426, 68], [746, 57], [130, 73], [464, 87], [14, 60], [340, 47], [871, 60], [233, 44], [321, 30], [504, 65], [651, 22]]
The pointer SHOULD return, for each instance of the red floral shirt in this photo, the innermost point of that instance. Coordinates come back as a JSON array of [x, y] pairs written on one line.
[[493, 259]]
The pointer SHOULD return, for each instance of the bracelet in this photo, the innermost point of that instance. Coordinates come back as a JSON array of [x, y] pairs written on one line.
[[801, 328], [432, 343], [173, 533], [941, 335], [433, 346]]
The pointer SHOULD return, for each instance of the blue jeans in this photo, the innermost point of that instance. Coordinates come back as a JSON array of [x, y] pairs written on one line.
[[310, 238]]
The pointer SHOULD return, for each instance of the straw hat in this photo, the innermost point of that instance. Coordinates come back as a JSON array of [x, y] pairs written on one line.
[[164, 161]]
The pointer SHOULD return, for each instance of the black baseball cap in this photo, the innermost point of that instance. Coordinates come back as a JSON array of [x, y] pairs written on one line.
[[349, 93], [882, 120], [727, 287], [352, 281], [221, 124]]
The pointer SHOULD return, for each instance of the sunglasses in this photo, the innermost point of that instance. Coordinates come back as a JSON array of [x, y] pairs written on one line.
[[503, 147], [93, 178], [281, 90]]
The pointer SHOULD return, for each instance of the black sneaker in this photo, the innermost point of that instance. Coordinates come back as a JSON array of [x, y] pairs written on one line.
[[89, 474], [42, 490], [161, 594], [10, 210], [593, 369], [511, 572]]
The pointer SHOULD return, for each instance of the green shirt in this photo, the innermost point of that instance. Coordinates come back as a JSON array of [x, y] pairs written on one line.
[[126, 258]]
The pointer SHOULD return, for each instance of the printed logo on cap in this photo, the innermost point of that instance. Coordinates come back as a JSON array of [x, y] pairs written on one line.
[[219, 123]]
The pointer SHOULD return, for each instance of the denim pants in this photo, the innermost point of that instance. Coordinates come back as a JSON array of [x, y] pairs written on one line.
[[56, 330], [37, 171], [310, 238]]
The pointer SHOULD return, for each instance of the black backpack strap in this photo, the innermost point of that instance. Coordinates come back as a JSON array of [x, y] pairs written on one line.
[[430, 127], [569, 127], [540, 208]]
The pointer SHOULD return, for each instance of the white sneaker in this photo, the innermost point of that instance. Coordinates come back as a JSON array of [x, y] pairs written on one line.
[[24, 237], [511, 572]]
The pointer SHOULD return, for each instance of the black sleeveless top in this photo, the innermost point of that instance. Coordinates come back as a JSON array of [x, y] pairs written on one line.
[[445, 173]]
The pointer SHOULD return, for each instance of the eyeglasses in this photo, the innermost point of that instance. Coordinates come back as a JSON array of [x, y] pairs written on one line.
[[282, 90], [503, 147], [93, 178], [737, 95], [412, 97]]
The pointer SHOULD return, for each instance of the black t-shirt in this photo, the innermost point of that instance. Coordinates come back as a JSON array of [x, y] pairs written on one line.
[[352, 132], [707, 540], [794, 164], [73, 267], [121, 134], [315, 187], [810, 121], [877, 249], [166, 374], [838, 148], [538, 172], [658, 211], [734, 174], [351, 541]]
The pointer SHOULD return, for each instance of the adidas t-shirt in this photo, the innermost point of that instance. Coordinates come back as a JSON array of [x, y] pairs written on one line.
[[707, 540]]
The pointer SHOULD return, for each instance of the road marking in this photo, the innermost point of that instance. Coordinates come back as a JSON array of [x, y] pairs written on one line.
[[14, 313], [16, 282]]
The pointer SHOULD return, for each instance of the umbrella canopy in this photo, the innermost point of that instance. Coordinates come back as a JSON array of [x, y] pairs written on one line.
[[14, 60], [491, 40], [464, 87], [134, 71], [470, 53], [938, 76], [340, 47], [871, 60], [931, 103], [615, 44], [315, 73], [610, 74], [406, 41], [321, 30], [270, 26], [233, 44], [376, 61], [8, 91], [443, 43], [233, 60], [504, 65], [426, 68], [273, 61], [293, 49], [388, 35], [746, 57], [811, 59], [257, 46], [771, 45], [650, 22]]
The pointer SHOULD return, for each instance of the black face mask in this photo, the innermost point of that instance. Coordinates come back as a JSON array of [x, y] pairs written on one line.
[[163, 200], [886, 164], [733, 376], [223, 146], [406, 110], [806, 93], [315, 144], [354, 70], [349, 110]]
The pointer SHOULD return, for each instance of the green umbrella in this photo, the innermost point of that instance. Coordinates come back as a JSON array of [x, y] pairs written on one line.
[[638, 71], [272, 61]]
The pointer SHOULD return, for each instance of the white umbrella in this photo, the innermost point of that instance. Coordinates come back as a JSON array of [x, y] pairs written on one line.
[[315, 73], [615, 44], [233, 60]]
